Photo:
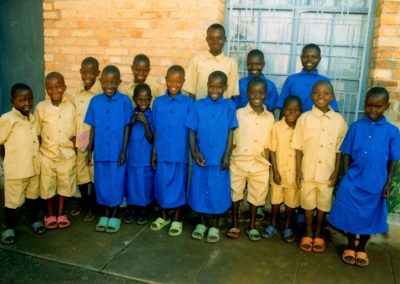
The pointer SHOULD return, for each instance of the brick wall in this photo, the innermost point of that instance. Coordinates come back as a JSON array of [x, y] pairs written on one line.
[[114, 31]]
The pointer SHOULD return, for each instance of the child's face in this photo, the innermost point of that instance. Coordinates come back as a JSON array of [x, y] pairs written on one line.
[[322, 95], [140, 71], [174, 82], [89, 74], [215, 40], [256, 95], [375, 107], [216, 88], [55, 88], [110, 83], [291, 112], [142, 100], [23, 101], [255, 65], [310, 59]]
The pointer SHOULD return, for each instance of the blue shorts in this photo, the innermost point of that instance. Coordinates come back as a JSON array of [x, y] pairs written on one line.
[[139, 186], [109, 179]]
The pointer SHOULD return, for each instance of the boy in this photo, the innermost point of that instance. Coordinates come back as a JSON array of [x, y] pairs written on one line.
[[84, 178], [18, 135], [109, 115], [317, 138], [301, 84], [255, 65], [211, 122], [202, 64], [57, 128], [250, 157], [170, 152]]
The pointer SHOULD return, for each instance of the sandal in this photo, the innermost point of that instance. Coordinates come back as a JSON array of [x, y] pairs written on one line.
[[362, 259], [349, 256], [199, 232], [63, 222], [213, 235], [159, 223], [233, 233], [102, 224], [318, 245], [90, 216], [269, 232], [260, 215], [288, 236], [76, 212], [113, 226], [129, 219], [38, 227], [50, 222], [175, 229], [306, 244], [8, 237], [142, 220], [253, 234]]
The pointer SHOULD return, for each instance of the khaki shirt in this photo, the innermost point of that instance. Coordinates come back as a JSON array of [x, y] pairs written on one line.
[[19, 136], [57, 125], [156, 89], [318, 135], [202, 65]]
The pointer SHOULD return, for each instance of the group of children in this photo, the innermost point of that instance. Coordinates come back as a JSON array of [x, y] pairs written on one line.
[[230, 144]]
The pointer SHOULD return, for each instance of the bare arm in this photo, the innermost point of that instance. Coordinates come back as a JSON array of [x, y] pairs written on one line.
[[2, 151], [122, 155], [299, 174], [333, 177], [275, 172], [89, 147], [142, 118], [194, 149], [226, 160], [154, 154], [391, 168]]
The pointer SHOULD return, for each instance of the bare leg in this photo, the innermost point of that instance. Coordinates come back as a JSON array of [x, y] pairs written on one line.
[[164, 214], [289, 216], [235, 214], [320, 222], [363, 241], [214, 221], [61, 200], [177, 215], [351, 241], [49, 207], [275, 213], [309, 222], [253, 213]]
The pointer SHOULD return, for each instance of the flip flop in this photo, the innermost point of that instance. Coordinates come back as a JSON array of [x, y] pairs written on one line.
[[63, 222], [38, 227], [269, 232], [318, 245], [260, 215], [102, 224], [113, 226], [253, 234], [349, 256], [8, 237], [233, 233], [213, 235], [159, 223], [199, 232], [306, 244], [288, 236], [90, 216], [362, 259], [175, 229], [50, 222]]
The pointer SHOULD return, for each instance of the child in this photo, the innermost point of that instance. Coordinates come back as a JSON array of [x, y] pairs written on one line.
[[109, 115], [202, 64], [84, 173], [316, 138], [140, 174], [18, 135], [170, 152], [284, 188], [255, 65], [371, 148], [250, 157], [57, 128], [211, 122], [302, 83], [140, 70]]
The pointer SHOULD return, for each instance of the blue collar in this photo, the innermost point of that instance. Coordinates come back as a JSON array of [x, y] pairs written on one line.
[[178, 97], [313, 73], [381, 121], [262, 76], [113, 98], [208, 100]]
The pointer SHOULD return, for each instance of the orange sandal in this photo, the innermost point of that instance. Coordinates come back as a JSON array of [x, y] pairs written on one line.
[[318, 245], [349, 256], [306, 244], [361, 259]]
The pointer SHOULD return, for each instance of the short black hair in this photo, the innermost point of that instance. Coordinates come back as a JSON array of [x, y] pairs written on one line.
[[55, 75], [90, 61], [218, 75], [176, 69], [311, 46], [216, 26], [290, 99], [324, 82], [111, 69], [19, 87], [255, 53], [141, 88], [141, 58], [378, 92], [257, 81]]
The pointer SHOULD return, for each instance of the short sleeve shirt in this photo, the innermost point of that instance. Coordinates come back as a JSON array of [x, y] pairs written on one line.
[[156, 89]]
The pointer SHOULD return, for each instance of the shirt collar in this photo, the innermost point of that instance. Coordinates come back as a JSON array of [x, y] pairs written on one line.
[[217, 58], [20, 115], [313, 73], [249, 109], [113, 98], [178, 97], [95, 89], [262, 76], [315, 111], [208, 100], [285, 125], [381, 121]]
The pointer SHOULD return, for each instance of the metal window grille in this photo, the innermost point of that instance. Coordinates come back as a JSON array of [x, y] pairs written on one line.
[[280, 28]]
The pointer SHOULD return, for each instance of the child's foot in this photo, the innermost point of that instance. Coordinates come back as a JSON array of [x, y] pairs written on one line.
[[142, 219], [90, 216], [306, 244], [159, 223], [213, 235], [175, 229], [349, 256], [38, 227], [362, 259], [113, 226], [102, 224], [288, 236], [199, 232], [8, 237], [233, 233], [253, 234], [269, 232], [50, 222], [318, 245], [129, 218], [63, 222], [76, 212]]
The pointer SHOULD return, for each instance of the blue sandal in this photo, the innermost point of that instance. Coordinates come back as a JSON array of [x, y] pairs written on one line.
[[113, 226], [288, 236], [269, 232], [102, 224]]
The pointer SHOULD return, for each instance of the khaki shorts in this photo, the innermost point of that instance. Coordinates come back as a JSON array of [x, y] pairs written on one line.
[[57, 177], [257, 184], [16, 190], [316, 195], [84, 173], [289, 195]]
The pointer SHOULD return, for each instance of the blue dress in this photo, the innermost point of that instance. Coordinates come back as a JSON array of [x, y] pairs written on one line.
[[359, 207]]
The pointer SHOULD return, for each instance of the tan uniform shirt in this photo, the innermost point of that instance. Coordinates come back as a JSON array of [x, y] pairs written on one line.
[[156, 89]]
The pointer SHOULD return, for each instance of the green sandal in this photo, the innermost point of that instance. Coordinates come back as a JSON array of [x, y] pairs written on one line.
[[159, 223], [213, 235], [102, 224], [175, 229], [253, 234], [113, 226], [199, 232]]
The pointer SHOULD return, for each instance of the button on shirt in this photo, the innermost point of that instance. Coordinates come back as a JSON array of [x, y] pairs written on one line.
[[109, 116], [212, 120], [139, 148], [19, 136], [318, 135], [371, 145], [169, 115], [301, 85], [57, 126], [269, 101]]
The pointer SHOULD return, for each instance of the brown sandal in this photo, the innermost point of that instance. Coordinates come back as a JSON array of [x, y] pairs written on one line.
[[318, 245], [233, 233], [349, 256], [306, 244], [362, 259]]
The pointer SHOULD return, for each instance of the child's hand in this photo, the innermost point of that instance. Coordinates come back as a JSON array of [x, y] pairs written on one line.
[[226, 162], [299, 179], [277, 177], [154, 160], [386, 191], [200, 159], [122, 159], [141, 117], [333, 179], [133, 120]]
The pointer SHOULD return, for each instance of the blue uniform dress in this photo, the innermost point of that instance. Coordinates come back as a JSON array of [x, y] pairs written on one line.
[[272, 94], [210, 190], [109, 116], [301, 84], [359, 207], [171, 142], [140, 174]]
